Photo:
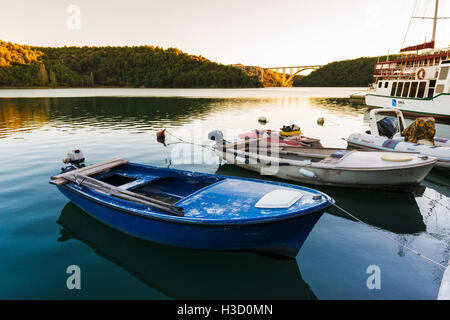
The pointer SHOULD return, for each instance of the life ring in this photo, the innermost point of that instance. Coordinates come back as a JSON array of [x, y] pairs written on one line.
[[421, 74]]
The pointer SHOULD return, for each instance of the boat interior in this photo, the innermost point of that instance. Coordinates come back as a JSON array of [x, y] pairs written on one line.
[[168, 189], [155, 187], [323, 155]]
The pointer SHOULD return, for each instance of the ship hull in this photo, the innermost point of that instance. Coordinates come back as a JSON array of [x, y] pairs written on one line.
[[437, 107]]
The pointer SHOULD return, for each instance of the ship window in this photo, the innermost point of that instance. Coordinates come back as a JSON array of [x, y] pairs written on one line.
[[430, 92], [439, 88], [399, 89], [380, 84], [421, 91], [432, 83], [413, 91], [406, 89], [394, 88], [444, 73], [386, 84]]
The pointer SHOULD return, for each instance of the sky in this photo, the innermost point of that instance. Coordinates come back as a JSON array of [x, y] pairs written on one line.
[[252, 32]]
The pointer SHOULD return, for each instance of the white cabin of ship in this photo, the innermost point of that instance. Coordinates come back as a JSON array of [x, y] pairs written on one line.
[[417, 76]]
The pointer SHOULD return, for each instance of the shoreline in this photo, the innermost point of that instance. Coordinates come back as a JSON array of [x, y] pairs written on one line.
[[226, 93]]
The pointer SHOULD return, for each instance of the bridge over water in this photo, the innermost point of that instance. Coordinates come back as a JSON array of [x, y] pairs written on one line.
[[287, 73]]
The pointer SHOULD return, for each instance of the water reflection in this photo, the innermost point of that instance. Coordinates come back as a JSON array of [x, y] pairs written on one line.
[[124, 113], [337, 103], [394, 212], [439, 180], [23, 117], [188, 274]]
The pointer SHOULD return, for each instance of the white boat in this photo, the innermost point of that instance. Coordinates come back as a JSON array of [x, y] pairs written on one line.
[[374, 140], [332, 167], [416, 83]]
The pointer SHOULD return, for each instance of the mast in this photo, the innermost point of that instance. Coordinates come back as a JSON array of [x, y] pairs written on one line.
[[426, 45], [435, 19]]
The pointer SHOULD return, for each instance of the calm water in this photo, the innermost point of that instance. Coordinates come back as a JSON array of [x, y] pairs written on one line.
[[41, 232]]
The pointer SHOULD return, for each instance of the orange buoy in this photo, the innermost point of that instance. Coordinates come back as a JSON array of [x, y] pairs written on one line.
[[161, 136]]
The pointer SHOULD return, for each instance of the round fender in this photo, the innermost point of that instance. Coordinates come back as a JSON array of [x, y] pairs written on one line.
[[307, 173]]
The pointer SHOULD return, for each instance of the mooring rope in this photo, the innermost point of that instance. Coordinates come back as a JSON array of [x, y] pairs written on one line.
[[401, 244], [409, 24], [190, 142], [436, 201]]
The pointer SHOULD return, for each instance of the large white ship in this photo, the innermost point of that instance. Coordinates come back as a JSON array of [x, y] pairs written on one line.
[[416, 82]]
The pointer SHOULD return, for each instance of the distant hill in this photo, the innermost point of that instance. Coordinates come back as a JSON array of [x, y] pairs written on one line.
[[269, 79], [347, 73], [139, 66]]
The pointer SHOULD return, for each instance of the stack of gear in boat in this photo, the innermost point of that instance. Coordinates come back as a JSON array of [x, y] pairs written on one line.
[[291, 130], [421, 131], [276, 137]]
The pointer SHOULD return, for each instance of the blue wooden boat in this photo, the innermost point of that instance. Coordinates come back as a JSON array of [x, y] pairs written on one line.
[[195, 210]]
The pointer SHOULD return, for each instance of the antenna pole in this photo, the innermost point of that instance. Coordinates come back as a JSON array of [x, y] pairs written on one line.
[[435, 19]]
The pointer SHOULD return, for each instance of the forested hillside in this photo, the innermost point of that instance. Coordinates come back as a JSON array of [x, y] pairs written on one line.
[[153, 67], [347, 73], [11, 53], [142, 66]]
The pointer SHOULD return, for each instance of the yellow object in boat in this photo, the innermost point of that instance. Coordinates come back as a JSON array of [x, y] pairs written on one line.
[[290, 133], [396, 157], [292, 130]]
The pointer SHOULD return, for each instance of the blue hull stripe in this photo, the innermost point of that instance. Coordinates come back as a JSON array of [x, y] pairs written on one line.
[[391, 143]]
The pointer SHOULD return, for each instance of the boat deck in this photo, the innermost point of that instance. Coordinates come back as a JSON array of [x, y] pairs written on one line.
[[240, 200]]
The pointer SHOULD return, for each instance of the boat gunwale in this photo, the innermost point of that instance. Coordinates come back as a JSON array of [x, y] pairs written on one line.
[[431, 161], [204, 221], [401, 187]]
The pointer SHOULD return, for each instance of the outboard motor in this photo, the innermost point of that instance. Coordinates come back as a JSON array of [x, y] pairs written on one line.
[[386, 127], [216, 136], [75, 159]]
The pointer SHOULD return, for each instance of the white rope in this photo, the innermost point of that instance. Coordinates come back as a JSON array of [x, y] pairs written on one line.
[[436, 201], [189, 142], [409, 24], [401, 244]]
